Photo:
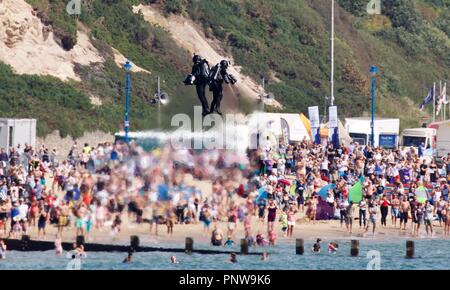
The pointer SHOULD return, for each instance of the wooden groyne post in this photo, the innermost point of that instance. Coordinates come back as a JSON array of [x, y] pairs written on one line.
[[244, 247], [354, 249], [299, 246], [134, 243], [80, 240], [189, 245], [24, 242], [409, 249]]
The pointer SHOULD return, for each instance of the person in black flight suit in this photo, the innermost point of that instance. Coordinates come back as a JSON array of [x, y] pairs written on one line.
[[217, 77], [199, 78]]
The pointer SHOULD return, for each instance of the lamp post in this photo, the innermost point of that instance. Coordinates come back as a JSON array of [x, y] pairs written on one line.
[[373, 72], [261, 97], [159, 103], [127, 66], [160, 98]]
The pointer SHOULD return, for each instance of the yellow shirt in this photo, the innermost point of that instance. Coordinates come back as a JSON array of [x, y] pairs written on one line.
[[87, 149]]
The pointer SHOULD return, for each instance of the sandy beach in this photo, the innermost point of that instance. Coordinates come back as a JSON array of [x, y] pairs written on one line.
[[326, 230]]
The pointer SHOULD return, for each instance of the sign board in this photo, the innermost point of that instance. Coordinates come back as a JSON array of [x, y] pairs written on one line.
[[314, 116], [333, 121], [387, 141]]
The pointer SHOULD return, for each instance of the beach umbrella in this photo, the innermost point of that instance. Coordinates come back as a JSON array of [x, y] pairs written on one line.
[[355, 193], [422, 194], [284, 181], [262, 193], [323, 192]]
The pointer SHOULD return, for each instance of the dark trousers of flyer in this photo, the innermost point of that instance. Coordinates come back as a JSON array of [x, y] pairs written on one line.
[[201, 93], [217, 98]]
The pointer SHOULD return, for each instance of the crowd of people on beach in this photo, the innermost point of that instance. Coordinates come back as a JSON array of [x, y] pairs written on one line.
[[390, 181], [95, 188]]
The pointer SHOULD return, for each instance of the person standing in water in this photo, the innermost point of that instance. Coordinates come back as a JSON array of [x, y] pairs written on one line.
[[333, 247], [233, 258], [316, 246], [264, 256], [128, 258]]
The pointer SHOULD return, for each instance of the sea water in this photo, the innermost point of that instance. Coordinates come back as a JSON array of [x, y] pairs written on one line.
[[429, 254]]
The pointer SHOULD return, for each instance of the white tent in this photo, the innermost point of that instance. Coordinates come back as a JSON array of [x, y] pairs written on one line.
[[280, 125]]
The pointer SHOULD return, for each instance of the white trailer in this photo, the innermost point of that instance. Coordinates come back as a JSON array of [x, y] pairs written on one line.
[[386, 131], [442, 137], [414, 137], [17, 131]]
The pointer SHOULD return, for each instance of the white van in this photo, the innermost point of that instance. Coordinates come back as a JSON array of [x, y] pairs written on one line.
[[416, 136]]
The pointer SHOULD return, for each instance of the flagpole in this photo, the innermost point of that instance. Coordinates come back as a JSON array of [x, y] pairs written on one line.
[[332, 54], [449, 99], [445, 109], [434, 102], [440, 92], [445, 100]]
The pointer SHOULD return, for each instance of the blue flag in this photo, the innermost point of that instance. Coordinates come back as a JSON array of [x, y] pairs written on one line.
[[428, 99], [335, 138], [317, 139]]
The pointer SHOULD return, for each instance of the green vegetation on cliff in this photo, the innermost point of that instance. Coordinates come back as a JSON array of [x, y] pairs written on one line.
[[285, 41]]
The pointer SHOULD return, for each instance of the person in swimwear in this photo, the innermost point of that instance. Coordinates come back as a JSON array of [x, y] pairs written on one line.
[[128, 258], [332, 247], [395, 213], [233, 258], [316, 246], [291, 220], [272, 238], [173, 260], [314, 203], [272, 209], [264, 256], [260, 240]]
